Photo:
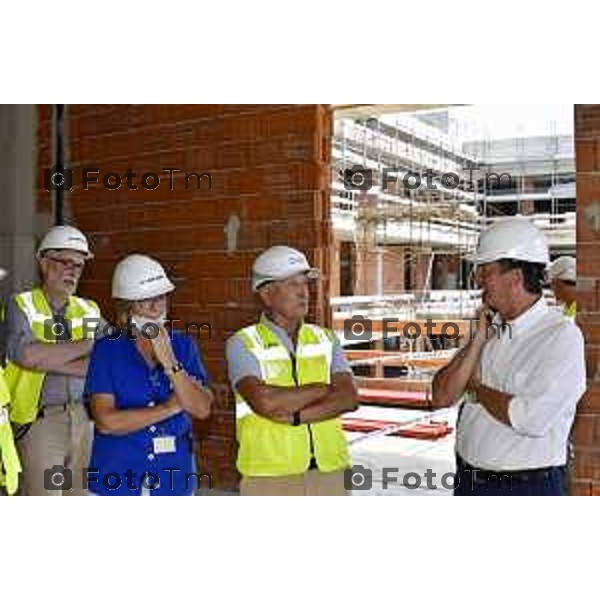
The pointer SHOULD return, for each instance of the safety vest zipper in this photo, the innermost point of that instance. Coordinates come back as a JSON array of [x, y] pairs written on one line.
[[310, 432]]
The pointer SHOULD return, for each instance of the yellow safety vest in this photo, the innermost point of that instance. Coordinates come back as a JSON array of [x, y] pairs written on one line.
[[25, 385], [10, 465], [570, 310], [269, 449]]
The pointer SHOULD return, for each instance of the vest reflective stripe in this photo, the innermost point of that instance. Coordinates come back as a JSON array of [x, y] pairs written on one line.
[[26, 386], [10, 465], [275, 449], [37, 311]]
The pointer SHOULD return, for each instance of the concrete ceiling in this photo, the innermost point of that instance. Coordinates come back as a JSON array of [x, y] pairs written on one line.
[[372, 110]]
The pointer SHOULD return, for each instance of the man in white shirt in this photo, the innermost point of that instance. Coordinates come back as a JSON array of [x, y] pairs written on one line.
[[522, 374]]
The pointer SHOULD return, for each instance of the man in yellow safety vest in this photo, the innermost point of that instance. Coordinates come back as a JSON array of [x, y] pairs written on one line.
[[10, 466], [50, 334], [291, 382], [562, 274]]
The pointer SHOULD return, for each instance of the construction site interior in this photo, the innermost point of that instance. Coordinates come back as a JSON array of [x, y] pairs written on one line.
[[404, 293]]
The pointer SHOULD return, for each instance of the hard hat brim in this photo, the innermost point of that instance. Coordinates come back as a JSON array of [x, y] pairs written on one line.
[[562, 277], [167, 289], [86, 255], [259, 280]]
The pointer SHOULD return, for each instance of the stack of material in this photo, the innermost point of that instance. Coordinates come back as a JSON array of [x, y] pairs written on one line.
[[434, 430], [398, 398]]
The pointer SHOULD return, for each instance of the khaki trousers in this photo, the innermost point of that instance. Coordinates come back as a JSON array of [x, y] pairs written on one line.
[[61, 439], [311, 483]]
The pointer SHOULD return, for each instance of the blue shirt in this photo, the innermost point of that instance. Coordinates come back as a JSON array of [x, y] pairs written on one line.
[[119, 464]]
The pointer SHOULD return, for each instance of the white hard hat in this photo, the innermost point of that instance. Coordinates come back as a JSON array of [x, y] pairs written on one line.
[[564, 269], [140, 277], [64, 237], [512, 238], [279, 263]]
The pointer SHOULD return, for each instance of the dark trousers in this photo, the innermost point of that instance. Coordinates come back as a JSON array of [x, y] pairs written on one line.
[[471, 481]]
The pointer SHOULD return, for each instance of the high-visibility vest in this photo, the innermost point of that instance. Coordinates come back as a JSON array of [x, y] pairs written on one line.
[[270, 449], [10, 465], [25, 385], [570, 310]]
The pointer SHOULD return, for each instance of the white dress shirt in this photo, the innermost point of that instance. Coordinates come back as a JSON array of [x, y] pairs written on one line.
[[540, 360]]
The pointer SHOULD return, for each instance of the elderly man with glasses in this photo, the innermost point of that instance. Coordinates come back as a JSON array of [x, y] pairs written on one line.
[[50, 335]]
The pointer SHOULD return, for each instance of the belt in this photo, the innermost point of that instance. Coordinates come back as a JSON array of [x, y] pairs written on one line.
[[484, 476]]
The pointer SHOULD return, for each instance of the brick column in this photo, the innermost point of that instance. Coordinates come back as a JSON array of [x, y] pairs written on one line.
[[269, 166], [367, 265], [422, 261], [586, 476], [393, 274], [334, 276]]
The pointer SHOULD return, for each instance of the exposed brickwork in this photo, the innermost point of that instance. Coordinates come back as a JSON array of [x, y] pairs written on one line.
[[269, 168], [586, 476]]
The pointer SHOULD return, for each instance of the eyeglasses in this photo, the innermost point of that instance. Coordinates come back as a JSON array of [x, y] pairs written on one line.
[[152, 301], [75, 265]]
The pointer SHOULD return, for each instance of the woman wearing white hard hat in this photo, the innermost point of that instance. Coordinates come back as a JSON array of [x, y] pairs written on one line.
[[144, 387], [562, 274]]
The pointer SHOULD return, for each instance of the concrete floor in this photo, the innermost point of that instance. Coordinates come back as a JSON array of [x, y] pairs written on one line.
[[405, 456]]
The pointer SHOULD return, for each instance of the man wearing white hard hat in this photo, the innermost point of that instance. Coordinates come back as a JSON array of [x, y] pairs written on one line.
[[521, 378], [562, 275], [50, 335], [292, 383], [144, 387]]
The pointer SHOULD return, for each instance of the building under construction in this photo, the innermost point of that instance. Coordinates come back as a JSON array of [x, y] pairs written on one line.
[[411, 193]]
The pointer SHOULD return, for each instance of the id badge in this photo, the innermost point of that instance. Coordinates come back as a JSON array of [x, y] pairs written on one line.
[[164, 445]]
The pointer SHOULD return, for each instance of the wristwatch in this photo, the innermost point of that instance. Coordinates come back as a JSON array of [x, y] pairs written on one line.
[[176, 368]]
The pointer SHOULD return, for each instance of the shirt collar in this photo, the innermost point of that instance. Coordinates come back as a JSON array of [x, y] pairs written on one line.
[[56, 308], [280, 332], [531, 316]]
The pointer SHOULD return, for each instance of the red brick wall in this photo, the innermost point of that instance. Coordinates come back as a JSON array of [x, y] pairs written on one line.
[[269, 166], [587, 427]]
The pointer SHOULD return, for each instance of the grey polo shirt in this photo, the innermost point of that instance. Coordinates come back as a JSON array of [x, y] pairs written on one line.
[[242, 363], [57, 389]]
